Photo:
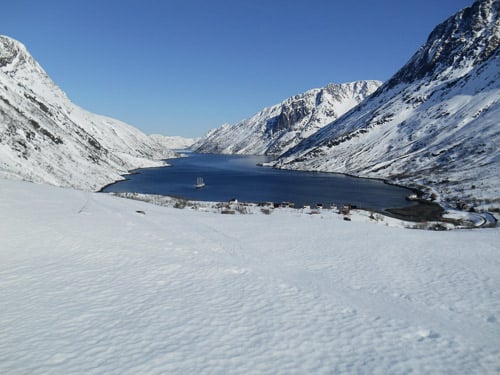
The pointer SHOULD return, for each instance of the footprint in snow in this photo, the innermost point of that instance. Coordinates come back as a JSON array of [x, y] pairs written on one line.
[[426, 334], [491, 319]]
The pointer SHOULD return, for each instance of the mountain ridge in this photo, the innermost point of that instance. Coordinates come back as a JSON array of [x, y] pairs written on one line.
[[277, 128]]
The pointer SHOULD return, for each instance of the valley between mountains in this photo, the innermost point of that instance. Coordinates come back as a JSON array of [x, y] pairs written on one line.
[[433, 126]]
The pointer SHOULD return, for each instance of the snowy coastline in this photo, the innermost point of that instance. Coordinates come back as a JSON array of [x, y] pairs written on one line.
[[421, 215], [430, 213]]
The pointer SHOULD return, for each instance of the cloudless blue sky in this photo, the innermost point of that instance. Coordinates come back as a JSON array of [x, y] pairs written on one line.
[[183, 67]]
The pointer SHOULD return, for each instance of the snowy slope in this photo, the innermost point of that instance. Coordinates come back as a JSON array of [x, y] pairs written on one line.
[[88, 285], [173, 142], [275, 129], [44, 137], [435, 123]]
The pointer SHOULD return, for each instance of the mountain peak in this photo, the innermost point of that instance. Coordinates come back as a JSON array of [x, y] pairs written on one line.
[[13, 53], [46, 138], [462, 41], [17, 62]]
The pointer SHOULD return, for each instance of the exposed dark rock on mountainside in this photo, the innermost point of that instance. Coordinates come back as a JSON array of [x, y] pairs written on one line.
[[469, 37]]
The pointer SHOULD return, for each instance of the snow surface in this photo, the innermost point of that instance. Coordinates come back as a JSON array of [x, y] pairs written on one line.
[[90, 285]]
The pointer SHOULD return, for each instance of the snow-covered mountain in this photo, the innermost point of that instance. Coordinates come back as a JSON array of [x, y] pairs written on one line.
[[276, 129], [173, 142], [44, 137], [435, 123]]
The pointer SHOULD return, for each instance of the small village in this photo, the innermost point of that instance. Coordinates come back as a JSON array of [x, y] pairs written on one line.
[[233, 206], [448, 220]]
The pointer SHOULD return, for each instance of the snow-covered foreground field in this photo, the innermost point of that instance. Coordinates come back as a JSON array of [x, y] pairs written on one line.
[[88, 285]]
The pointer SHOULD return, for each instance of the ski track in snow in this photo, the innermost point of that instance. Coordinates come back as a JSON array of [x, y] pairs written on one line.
[[88, 285]]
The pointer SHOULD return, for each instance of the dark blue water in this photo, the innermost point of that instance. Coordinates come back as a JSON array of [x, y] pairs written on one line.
[[228, 176]]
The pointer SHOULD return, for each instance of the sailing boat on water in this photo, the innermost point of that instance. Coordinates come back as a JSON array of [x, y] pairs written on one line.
[[199, 183]]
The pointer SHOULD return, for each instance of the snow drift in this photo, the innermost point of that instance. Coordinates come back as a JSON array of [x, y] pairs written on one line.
[[90, 283]]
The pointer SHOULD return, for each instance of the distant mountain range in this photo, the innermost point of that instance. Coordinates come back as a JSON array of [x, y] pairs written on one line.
[[46, 138], [434, 125], [276, 129]]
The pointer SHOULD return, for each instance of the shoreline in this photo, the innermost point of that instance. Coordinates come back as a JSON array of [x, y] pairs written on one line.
[[178, 154], [421, 211], [422, 215], [131, 172]]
